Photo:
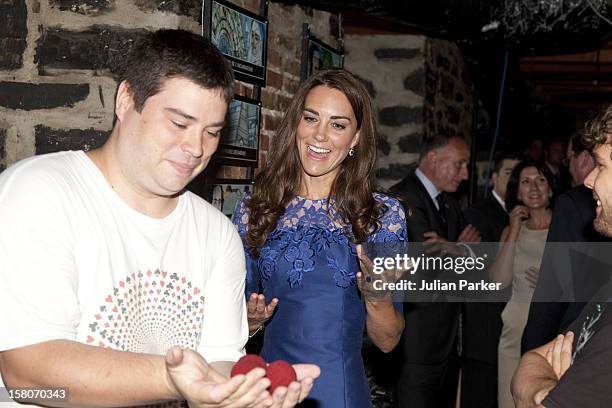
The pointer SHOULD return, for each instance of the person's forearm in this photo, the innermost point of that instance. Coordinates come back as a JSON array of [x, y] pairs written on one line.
[[532, 380], [92, 376], [384, 324]]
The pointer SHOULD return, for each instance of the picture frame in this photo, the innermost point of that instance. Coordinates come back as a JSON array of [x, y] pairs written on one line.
[[239, 144], [226, 194], [316, 55], [240, 35]]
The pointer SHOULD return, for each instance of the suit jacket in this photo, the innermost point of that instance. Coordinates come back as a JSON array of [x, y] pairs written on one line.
[[431, 328], [482, 322], [572, 221]]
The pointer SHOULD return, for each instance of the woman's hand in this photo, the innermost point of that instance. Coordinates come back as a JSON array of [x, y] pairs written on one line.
[[258, 312], [517, 215], [372, 285]]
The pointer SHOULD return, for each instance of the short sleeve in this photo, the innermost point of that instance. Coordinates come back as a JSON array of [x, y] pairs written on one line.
[[392, 236], [392, 221], [240, 218], [224, 326], [241, 221], [587, 382], [38, 277]]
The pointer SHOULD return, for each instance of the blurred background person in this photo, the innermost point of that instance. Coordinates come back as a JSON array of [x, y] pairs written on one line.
[[535, 150], [554, 158], [427, 354], [572, 224], [481, 321], [518, 261]]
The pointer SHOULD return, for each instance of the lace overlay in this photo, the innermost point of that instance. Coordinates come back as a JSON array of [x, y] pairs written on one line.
[[309, 264], [308, 230]]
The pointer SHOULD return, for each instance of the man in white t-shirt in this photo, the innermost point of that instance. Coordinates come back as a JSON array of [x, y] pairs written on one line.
[[107, 264]]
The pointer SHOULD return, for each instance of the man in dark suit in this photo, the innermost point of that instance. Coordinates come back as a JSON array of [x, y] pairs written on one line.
[[554, 154], [481, 321], [430, 365], [572, 222]]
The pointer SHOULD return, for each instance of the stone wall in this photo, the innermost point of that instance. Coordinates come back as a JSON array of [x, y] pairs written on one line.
[[420, 86], [392, 66], [449, 90], [58, 63]]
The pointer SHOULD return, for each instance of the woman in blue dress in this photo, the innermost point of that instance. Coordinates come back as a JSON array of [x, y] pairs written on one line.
[[313, 204]]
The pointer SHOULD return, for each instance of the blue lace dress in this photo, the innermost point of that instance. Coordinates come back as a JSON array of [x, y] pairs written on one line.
[[310, 266]]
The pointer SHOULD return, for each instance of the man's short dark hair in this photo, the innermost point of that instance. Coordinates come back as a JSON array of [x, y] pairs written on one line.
[[598, 130], [551, 140], [166, 54], [499, 160], [434, 142], [577, 144]]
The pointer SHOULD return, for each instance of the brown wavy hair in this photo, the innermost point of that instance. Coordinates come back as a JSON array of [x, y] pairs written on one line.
[[281, 178], [598, 130]]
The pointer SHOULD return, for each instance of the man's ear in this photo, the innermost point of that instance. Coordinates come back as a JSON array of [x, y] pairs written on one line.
[[585, 160], [124, 100], [432, 157]]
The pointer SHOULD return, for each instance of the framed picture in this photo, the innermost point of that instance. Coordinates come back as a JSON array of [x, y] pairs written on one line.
[[240, 35], [316, 55], [226, 194], [239, 144]]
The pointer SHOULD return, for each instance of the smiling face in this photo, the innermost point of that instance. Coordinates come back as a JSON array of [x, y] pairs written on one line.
[[163, 147], [600, 181], [326, 131], [533, 189]]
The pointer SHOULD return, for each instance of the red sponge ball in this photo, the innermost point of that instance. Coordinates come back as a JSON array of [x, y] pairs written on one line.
[[281, 374], [247, 363]]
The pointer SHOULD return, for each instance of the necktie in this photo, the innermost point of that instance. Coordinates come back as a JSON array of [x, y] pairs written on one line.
[[441, 211]]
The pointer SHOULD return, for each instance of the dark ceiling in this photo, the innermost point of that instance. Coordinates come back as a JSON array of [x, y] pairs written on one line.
[[558, 52]]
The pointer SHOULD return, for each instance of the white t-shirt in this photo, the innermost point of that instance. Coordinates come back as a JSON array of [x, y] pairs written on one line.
[[77, 263]]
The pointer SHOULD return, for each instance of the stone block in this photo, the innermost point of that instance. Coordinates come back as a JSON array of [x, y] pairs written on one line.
[[410, 143], [274, 80], [271, 122], [447, 86], [13, 33], [400, 115], [397, 53], [264, 142], [453, 115], [99, 48], [267, 99], [442, 62], [290, 85], [190, 8], [395, 171], [85, 7], [368, 84], [49, 140], [25, 96], [415, 82], [2, 143], [383, 145]]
